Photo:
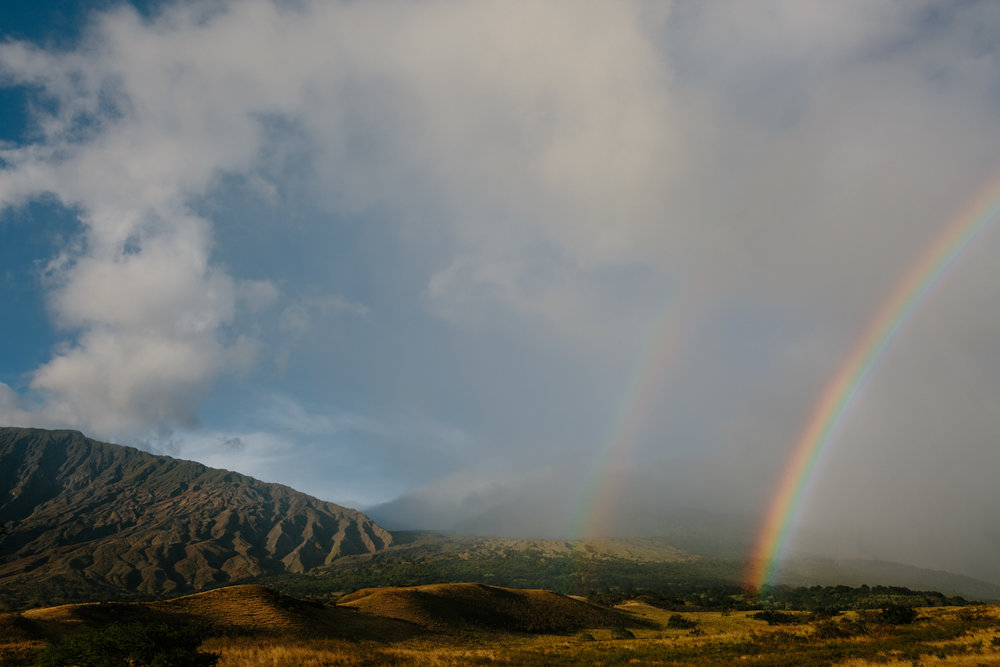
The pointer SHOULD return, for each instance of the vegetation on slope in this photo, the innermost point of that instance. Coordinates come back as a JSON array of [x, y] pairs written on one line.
[[249, 625], [89, 520], [128, 644], [938, 636], [567, 567], [444, 607], [610, 572], [821, 600]]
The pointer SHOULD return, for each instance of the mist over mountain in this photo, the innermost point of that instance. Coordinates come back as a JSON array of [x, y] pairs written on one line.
[[538, 513], [698, 512], [86, 518]]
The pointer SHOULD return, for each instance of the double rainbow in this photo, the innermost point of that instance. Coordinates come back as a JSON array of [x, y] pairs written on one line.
[[930, 269]]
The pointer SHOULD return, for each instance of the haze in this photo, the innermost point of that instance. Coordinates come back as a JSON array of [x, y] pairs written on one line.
[[487, 257]]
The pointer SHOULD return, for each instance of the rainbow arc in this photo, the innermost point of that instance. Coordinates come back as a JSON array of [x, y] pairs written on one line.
[[844, 389]]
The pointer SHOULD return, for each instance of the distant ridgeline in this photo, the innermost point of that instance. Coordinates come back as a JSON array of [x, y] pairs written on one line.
[[626, 569], [820, 599], [84, 520], [88, 520]]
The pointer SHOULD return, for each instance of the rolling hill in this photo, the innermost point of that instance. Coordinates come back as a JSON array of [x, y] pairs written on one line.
[[463, 624], [89, 520], [241, 610], [379, 614], [450, 607], [581, 567]]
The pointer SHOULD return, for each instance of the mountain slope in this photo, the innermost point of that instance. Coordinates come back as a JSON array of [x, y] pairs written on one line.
[[89, 519], [581, 567], [240, 610]]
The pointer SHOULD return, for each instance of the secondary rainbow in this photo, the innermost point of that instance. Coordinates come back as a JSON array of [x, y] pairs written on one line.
[[829, 414], [604, 486]]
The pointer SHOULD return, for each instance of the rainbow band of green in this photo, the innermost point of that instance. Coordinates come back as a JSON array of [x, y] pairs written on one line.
[[600, 494], [931, 268], [604, 487]]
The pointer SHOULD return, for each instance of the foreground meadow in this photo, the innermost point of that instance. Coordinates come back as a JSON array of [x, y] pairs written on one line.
[[470, 624], [939, 636]]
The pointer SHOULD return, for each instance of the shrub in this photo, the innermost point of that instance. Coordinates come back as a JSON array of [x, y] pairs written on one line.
[[622, 633], [129, 644], [838, 629], [896, 614], [970, 614], [823, 613], [678, 621], [869, 623], [776, 617]]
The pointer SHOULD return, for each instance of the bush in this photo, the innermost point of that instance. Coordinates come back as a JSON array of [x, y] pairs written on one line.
[[776, 617], [971, 614], [678, 621], [823, 613], [841, 628], [896, 614], [129, 644], [622, 633]]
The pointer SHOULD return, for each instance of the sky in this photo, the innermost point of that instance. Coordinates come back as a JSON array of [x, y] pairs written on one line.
[[511, 265]]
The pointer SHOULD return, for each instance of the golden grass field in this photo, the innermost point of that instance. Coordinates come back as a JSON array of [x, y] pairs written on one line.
[[470, 624]]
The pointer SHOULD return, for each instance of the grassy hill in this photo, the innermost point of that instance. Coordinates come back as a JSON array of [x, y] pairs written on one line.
[[449, 607], [464, 624], [242, 610]]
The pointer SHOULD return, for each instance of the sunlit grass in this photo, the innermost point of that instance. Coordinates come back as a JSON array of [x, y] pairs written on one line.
[[940, 636], [247, 652], [723, 639], [252, 626], [19, 652]]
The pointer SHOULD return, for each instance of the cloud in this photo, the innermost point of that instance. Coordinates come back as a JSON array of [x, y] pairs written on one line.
[[144, 117], [297, 318], [480, 223], [146, 308], [12, 409], [350, 458]]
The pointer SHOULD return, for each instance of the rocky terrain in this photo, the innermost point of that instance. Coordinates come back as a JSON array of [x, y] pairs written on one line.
[[84, 519]]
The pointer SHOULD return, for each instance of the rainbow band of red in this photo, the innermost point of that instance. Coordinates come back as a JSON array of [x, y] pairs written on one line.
[[599, 500], [930, 269], [600, 495]]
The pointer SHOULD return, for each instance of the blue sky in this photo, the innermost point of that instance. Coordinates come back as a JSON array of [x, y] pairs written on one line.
[[427, 251]]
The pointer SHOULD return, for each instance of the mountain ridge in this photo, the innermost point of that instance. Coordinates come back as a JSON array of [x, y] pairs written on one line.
[[85, 520], [83, 517]]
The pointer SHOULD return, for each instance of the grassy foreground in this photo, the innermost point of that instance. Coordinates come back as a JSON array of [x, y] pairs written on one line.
[[940, 636], [247, 625]]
